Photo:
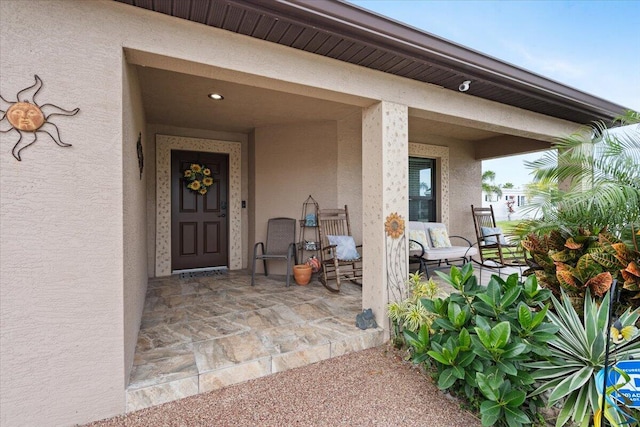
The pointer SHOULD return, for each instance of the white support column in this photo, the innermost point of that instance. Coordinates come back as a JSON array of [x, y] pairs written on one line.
[[384, 191]]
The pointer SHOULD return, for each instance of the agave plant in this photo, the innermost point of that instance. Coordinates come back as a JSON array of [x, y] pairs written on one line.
[[578, 354]]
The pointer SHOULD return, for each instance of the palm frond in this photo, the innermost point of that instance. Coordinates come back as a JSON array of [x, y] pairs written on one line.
[[597, 174]]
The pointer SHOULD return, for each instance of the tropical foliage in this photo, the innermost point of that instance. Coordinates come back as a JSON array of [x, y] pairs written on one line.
[[488, 186], [575, 261], [578, 354], [409, 314], [587, 196], [598, 181], [480, 342]]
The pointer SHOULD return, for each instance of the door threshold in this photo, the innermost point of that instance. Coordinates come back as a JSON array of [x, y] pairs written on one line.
[[200, 270]]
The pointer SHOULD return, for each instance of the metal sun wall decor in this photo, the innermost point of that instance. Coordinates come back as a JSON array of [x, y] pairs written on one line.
[[28, 118]]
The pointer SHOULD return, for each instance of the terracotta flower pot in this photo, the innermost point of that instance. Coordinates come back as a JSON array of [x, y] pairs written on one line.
[[302, 274]]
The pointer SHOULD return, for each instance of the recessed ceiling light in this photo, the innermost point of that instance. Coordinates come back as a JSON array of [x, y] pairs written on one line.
[[216, 96]]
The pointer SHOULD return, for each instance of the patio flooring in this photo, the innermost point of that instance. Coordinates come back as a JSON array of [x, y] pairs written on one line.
[[200, 334], [203, 333]]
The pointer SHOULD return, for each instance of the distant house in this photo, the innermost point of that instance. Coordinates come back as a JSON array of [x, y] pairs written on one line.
[[508, 206], [319, 97]]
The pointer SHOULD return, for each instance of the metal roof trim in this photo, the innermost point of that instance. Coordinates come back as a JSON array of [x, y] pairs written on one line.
[[363, 25]]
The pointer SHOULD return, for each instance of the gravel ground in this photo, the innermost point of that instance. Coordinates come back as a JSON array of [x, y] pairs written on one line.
[[366, 388]]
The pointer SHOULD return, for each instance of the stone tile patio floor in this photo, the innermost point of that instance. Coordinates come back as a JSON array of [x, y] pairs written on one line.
[[202, 333]]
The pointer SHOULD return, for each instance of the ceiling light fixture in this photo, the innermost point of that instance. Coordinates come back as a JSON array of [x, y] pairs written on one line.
[[464, 86], [216, 96]]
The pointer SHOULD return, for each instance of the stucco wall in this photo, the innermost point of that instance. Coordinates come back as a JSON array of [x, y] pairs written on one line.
[[291, 163], [349, 171], [61, 221], [466, 188], [134, 215]]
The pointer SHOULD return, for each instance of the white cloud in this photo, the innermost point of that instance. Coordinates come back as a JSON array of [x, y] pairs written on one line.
[[561, 69]]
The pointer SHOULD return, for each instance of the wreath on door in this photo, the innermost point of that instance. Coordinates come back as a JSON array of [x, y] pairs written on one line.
[[198, 179]]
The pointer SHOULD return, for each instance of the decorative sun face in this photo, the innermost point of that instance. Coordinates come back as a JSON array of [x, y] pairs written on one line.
[[28, 119]]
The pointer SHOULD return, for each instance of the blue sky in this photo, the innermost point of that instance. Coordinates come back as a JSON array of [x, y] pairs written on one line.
[[591, 46]]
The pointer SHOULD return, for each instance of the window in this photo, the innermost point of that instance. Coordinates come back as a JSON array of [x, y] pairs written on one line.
[[422, 194]]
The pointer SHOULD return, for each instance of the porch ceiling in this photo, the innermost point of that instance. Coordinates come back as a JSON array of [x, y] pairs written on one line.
[[348, 33], [180, 100]]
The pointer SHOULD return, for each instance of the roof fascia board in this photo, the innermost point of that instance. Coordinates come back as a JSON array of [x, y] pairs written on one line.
[[362, 25]]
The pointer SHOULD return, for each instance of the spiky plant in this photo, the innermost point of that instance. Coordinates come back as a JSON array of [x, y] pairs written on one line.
[[578, 354]]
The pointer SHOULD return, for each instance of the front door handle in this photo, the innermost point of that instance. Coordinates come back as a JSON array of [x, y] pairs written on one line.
[[222, 215]]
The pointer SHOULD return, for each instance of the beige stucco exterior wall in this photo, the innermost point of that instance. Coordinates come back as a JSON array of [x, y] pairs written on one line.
[[465, 181], [61, 219], [291, 163], [349, 171], [385, 191], [134, 215]]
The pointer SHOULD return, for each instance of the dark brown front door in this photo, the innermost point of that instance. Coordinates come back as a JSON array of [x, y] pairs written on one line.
[[199, 233]]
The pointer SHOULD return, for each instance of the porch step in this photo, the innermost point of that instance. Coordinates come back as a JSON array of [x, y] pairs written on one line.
[[211, 372]]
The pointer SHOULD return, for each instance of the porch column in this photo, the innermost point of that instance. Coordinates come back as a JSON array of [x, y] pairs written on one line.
[[385, 151]]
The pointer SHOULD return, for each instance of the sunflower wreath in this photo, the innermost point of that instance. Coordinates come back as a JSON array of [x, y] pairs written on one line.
[[198, 178]]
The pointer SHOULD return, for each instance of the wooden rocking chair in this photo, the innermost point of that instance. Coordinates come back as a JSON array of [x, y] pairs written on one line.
[[495, 251], [339, 255]]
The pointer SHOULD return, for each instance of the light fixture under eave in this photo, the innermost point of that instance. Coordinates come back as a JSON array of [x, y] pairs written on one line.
[[216, 96], [464, 86]]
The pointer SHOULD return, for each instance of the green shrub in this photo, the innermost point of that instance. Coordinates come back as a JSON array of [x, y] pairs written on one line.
[[409, 315], [480, 340]]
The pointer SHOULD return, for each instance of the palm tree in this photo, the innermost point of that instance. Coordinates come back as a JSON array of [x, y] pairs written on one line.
[[488, 186], [597, 174]]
